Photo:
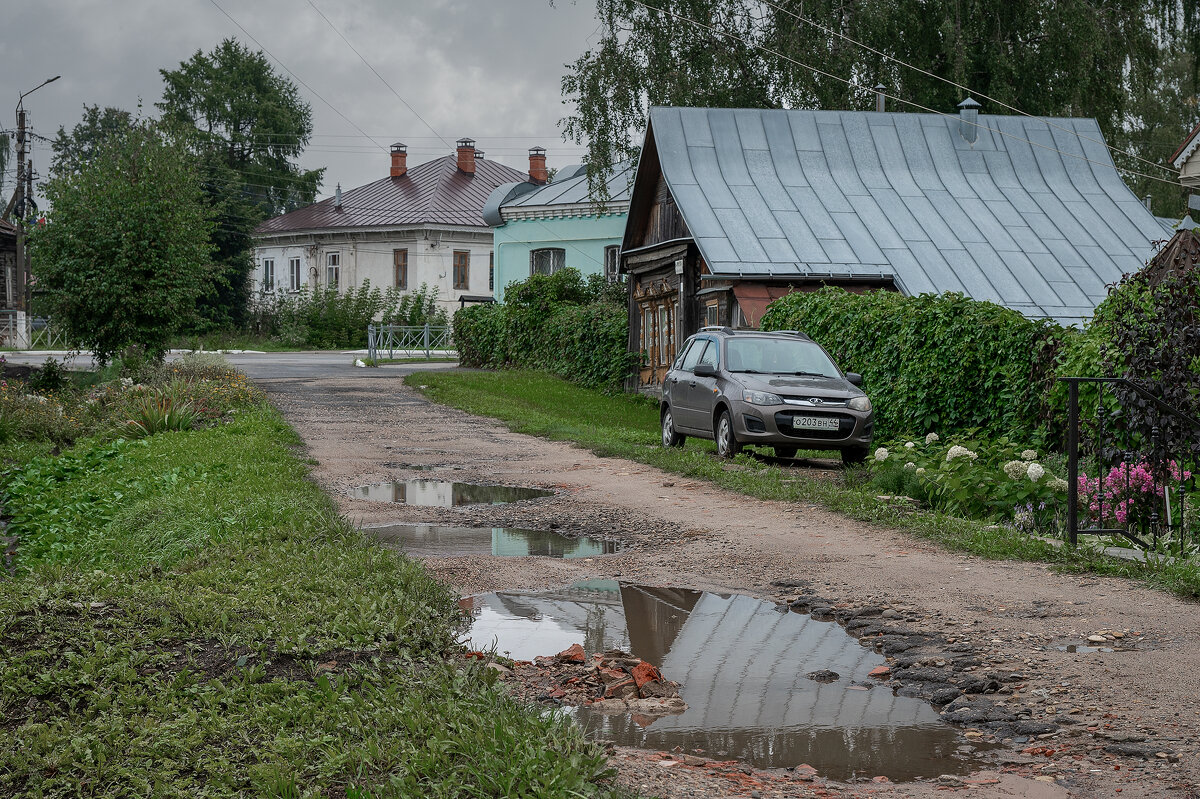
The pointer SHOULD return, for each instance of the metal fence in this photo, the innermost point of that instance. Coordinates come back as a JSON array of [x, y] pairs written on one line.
[[1142, 481], [20, 331], [409, 340]]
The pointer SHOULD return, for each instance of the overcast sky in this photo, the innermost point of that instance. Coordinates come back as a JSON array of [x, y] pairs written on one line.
[[486, 69]]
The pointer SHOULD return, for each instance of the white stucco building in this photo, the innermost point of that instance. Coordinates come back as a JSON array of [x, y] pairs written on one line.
[[414, 226]]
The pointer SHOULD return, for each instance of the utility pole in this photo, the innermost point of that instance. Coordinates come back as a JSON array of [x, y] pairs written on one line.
[[22, 301]]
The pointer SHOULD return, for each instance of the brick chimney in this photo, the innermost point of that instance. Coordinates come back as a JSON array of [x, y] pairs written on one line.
[[399, 159], [466, 155], [537, 165]]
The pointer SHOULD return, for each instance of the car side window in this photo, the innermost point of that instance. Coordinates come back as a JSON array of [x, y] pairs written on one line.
[[693, 354], [683, 353], [711, 354]]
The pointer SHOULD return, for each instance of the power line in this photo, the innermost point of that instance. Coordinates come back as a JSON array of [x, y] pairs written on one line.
[[856, 85], [969, 91], [293, 74], [381, 78]]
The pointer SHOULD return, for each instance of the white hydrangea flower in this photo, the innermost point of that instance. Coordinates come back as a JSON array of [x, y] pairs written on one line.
[[932, 437], [960, 452], [920, 470], [910, 466], [127, 382], [1057, 484], [909, 445], [1029, 455], [1015, 469], [881, 454], [1036, 472]]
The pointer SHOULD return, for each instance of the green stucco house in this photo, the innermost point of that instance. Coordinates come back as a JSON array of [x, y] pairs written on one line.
[[540, 228]]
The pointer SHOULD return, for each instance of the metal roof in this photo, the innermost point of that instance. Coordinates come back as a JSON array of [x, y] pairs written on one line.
[[1030, 216], [435, 192], [573, 190]]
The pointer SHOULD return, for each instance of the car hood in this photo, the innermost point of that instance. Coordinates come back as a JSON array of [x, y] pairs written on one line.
[[795, 385]]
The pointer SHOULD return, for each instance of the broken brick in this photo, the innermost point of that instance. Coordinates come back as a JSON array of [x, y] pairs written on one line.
[[644, 673], [572, 654]]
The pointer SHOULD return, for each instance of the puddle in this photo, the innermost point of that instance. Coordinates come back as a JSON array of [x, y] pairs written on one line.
[[444, 494], [431, 540], [741, 665], [416, 467]]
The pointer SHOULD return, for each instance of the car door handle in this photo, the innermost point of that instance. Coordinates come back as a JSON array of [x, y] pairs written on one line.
[[692, 383]]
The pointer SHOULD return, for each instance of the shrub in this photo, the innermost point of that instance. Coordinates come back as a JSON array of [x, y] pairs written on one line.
[[560, 323], [158, 411], [942, 361], [50, 378]]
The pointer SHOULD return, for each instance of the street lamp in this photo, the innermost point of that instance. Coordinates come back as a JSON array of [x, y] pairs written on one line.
[[24, 188]]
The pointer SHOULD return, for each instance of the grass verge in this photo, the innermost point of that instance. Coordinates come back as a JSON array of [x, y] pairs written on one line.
[[625, 426], [192, 617]]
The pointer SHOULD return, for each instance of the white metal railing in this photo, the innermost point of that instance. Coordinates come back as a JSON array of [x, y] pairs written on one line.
[[19, 331], [409, 339]]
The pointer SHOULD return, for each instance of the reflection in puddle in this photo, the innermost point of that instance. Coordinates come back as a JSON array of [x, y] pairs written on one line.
[[444, 494], [431, 540], [741, 665]]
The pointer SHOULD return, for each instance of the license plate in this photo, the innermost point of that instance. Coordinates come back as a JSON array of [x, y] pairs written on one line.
[[815, 423]]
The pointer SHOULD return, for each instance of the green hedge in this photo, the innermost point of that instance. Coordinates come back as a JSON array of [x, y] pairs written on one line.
[[945, 362], [562, 324]]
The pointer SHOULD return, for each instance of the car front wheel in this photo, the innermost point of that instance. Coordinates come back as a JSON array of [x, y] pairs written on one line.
[[727, 443], [852, 456], [669, 437]]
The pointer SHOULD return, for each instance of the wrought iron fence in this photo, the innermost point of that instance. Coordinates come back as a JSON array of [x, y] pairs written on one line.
[[409, 340], [1144, 466]]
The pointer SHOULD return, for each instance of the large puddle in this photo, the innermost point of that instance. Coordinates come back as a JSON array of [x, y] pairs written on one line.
[[741, 664], [431, 540], [444, 494]]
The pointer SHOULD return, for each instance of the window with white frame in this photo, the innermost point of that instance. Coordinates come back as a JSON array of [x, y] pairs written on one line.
[[664, 334], [547, 261], [268, 274], [333, 270], [612, 264], [294, 273]]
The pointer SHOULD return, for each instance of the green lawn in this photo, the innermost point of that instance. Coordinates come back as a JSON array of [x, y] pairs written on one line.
[[626, 426], [191, 617]]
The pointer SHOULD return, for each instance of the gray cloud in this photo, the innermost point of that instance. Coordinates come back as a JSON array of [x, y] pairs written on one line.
[[487, 69]]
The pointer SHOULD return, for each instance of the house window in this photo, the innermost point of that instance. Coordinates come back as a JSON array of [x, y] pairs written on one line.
[[462, 269], [491, 271], [400, 264], [547, 261], [664, 324], [647, 323], [268, 278], [612, 264], [294, 273], [711, 311], [333, 270]]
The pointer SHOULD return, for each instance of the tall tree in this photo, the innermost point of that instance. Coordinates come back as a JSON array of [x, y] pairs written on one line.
[[126, 252], [72, 150], [1044, 57], [248, 125]]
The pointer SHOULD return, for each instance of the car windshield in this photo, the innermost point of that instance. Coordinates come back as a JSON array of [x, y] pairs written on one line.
[[778, 356]]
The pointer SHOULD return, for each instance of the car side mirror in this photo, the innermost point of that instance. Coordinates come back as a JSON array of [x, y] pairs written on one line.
[[855, 378], [704, 370]]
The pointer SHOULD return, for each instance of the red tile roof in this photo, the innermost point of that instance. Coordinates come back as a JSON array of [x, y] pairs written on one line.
[[434, 192]]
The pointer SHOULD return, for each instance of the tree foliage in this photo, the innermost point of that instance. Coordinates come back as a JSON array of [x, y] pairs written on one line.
[[1044, 57], [74, 149], [126, 251], [248, 125]]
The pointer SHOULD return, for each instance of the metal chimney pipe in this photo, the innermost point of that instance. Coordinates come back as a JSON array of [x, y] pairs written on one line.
[[968, 116], [879, 97]]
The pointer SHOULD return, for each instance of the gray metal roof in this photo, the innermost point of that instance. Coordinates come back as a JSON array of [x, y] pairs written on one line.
[[573, 190], [1030, 216]]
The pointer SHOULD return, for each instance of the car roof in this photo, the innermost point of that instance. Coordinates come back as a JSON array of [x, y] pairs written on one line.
[[729, 331]]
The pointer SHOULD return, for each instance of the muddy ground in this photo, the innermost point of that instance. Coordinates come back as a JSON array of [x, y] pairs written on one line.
[[1124, 722]]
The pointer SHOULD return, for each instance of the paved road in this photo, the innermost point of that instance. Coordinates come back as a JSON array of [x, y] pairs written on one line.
[[272, 365]]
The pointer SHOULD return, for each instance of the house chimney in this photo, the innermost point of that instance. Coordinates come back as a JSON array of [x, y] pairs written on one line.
[[879, 97], [537, 165], [337, 198], [466, 155], [399, 159], [1146, 201], [968, 119]]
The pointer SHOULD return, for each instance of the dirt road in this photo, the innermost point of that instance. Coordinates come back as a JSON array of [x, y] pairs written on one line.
[[1125, 722]]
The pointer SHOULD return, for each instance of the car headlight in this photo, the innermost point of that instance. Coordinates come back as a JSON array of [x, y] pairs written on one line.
[[859, 404], [760, 398]]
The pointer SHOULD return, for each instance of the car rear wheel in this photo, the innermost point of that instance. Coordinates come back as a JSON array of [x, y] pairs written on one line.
[[727, 443], [852, 456], [785, 452], [669, 437]]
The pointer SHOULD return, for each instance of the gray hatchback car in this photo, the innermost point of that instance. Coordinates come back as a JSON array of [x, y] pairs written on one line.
[[778, 389]]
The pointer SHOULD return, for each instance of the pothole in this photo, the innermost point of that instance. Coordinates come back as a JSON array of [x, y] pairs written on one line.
[[745, 670], [445, 494], [431, 540]]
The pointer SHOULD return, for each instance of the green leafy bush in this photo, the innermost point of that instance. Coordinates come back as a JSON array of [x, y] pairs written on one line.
[[562, 323], [158, 411], [944, 362]]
